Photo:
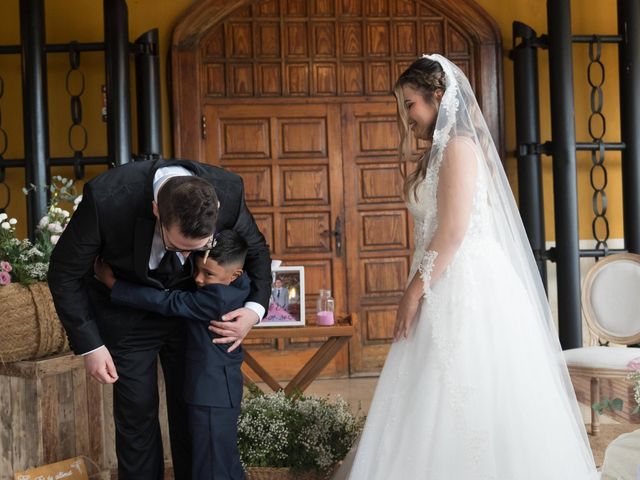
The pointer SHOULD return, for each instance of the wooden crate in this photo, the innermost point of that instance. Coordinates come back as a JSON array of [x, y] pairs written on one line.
[[50, 410], [610, 388]]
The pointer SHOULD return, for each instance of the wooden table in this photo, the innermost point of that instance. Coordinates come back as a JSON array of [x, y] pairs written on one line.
[[337, 336]]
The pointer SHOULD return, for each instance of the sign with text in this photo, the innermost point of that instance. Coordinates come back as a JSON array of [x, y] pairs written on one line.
[[70, 469]]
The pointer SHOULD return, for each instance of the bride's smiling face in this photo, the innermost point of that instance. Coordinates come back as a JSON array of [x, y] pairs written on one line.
[[422, 113]]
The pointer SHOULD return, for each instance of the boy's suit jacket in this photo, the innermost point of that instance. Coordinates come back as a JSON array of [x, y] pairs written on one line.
[[213, 376], [115, 220]]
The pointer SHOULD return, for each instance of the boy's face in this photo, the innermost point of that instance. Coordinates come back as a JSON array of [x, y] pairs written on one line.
[[210, 272]]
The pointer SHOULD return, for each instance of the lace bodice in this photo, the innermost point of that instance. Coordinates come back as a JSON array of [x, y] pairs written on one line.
[[423, 208]]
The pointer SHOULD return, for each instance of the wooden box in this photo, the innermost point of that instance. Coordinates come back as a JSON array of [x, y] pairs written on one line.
[[50, 410]]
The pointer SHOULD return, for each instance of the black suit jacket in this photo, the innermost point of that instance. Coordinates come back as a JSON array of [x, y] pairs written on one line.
[[115, 220], [212, 375]]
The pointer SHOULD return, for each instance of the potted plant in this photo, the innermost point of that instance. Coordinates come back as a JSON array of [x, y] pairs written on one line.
[[31, 328], [294, 437]]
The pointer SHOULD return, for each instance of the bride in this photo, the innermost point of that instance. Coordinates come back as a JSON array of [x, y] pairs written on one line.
[[474, 386]]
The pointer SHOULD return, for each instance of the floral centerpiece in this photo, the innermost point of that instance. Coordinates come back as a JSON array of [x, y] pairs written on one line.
[[24, 261], [30, 326], [634, 376], [294, 436]]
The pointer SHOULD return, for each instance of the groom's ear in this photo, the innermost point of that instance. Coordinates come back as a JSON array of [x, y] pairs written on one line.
[[154, 207]]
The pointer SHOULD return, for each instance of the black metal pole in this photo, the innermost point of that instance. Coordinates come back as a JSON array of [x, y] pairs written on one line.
[[564, 172], [35, 111], [116, 39], [525, 60], [629, 68], [148, 95]]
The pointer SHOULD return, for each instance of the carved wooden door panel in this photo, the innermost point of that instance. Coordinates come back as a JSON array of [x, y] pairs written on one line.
[[378, 228], [289, 157], [296, 95]]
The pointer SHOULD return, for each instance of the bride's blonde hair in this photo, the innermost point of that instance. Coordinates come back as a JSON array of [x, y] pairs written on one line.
[[427, 77]]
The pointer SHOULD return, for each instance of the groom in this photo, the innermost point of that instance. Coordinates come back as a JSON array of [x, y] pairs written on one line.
[[144, 219]]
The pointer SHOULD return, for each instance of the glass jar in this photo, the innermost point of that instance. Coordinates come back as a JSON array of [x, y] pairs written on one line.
[[325, 308]]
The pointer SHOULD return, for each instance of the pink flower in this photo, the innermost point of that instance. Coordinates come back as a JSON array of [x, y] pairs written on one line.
[[5, 278], [5, 266], [634, 364]]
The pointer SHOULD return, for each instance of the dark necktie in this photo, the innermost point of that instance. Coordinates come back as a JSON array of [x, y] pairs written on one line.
[[167, 269]]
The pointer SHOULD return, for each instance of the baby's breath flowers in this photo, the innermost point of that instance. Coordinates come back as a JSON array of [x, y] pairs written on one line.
[[301, 432]]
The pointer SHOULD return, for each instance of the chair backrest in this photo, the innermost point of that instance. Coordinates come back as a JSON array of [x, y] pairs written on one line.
[[611, 298]]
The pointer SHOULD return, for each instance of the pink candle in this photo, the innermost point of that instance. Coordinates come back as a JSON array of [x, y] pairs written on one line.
[[324, 318]]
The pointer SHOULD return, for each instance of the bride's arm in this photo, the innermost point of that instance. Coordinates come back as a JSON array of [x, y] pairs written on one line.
[[456, 188]]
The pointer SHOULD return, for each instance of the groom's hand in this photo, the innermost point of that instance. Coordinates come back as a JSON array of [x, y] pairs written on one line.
[[234, 326], [100, 366]]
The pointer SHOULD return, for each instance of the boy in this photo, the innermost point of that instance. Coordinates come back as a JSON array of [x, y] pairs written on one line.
[[213, 385]]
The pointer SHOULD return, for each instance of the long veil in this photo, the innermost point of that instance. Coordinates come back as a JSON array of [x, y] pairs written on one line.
[[459, 115]]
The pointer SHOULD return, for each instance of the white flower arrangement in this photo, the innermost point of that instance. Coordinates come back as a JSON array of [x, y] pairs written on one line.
[[27, 261], [301, 432], [634, 376]]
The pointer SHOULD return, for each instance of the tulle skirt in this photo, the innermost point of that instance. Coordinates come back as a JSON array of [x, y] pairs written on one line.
[[476, 391]]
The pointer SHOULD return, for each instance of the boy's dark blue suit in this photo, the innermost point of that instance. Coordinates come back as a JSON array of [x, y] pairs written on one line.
[[205, 379], [213, 379], [115, 220]]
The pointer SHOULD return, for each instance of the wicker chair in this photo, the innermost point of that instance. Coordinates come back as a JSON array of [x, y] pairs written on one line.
[[611, 306]]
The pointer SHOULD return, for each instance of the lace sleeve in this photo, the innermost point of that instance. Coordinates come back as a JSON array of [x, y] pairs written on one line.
[[425, 267]]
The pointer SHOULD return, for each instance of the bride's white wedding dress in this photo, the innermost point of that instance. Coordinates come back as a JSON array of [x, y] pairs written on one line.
[[476, 391]]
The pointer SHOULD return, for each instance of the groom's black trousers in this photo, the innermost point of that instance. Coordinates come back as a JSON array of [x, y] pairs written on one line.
[[135, 402]]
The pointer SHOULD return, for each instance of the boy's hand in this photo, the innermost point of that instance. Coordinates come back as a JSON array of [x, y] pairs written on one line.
[[103, 272]]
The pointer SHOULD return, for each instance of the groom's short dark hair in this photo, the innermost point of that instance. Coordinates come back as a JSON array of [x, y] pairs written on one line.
[[191, 203]]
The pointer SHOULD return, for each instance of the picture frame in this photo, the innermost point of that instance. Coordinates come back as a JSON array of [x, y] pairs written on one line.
[[286, 304]]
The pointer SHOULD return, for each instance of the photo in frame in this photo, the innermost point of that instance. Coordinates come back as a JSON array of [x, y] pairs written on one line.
[[286, 304]]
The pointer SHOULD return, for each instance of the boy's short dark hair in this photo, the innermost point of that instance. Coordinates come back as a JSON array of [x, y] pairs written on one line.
[[230, 249], [191, 203]]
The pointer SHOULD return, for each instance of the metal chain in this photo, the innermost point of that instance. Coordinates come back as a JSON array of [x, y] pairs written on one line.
[[597, 130], [76, 131], [4, 145]]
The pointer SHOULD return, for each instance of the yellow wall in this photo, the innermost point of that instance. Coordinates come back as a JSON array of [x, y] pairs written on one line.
[[82, 20], [79, 20], [587, 18]]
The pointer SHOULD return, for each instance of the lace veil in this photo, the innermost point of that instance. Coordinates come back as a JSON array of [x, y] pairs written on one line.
[[460, 115]]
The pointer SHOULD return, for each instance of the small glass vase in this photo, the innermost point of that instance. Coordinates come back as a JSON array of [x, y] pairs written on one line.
[[325, 309]]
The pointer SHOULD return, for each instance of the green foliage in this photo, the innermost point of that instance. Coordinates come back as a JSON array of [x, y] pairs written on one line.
[[605, 403], [616, 404], [302, 432]]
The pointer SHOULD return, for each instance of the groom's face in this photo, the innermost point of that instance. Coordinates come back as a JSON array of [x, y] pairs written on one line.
[[176, 241]]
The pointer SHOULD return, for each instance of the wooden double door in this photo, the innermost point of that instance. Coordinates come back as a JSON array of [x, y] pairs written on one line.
[[324, 184]]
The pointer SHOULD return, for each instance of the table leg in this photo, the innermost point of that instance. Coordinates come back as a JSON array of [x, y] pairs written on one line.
[[261, 372], [315, 365]]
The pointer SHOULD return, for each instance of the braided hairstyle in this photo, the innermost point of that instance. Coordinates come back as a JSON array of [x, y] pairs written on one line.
[[426, 76]]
